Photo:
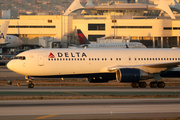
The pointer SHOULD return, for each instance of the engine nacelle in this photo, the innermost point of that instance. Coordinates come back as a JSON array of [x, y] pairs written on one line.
[[174, 74], [132, 75]]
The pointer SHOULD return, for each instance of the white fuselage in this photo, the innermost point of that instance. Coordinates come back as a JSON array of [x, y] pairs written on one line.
[[54, 62], [13, 41], [117, 45], [111, 45]]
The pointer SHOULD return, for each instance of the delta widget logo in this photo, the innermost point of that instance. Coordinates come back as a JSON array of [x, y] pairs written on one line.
[[51, 55]]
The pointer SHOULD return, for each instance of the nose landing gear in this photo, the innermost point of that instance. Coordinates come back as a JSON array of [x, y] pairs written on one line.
[[30, 82], [30, 85]]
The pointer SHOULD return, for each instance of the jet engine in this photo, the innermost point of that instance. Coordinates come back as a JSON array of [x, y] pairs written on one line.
[[132, 75]]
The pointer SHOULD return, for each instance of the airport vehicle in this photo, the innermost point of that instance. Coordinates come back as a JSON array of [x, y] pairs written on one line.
[[8, 41], [99, 65], [84, 43]]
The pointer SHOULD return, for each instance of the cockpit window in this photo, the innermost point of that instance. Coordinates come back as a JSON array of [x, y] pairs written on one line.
[[20, 57]]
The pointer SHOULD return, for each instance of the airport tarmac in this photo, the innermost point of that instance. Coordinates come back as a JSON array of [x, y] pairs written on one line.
[[161, 108]]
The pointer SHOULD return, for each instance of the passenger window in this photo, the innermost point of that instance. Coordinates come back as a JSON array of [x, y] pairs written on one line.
[[54, 58], [48, 59], [89, 58], [147, 59], [158, 58], [138, 58], [69, 59], [175, 58], [144, 58], [172, 58], [164, 58], [141, 58], [102, 59], [119, 58], [111, 58], [116, 58], [57, 58], [161, 58], [169, 58]]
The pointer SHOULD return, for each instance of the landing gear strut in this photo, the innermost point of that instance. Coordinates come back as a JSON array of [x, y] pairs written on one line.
[[157, 84]]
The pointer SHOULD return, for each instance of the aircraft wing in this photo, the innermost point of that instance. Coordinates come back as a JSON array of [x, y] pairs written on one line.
[[151, 68]]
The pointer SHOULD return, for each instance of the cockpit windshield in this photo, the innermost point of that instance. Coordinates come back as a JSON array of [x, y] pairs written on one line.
[[20, 57]]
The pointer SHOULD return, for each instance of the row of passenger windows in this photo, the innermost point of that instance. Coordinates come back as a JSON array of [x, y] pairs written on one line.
[[104, 59], [134, 27], [155, 58], [90, 59], [32, 26], [170, 28]]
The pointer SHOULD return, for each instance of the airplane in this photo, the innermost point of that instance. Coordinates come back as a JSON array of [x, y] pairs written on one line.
[[84, 43], [100, 65], [8, 41]]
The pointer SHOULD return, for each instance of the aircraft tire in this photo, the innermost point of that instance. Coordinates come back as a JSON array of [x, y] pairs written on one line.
[[161, 84], [142, 84], [153, 84], [31, 85], [135, 84]]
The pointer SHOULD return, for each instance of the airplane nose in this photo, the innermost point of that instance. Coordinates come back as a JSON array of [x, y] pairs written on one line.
[[10, 65]]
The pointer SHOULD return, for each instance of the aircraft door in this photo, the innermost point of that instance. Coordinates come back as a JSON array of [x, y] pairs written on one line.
[[40, 60]]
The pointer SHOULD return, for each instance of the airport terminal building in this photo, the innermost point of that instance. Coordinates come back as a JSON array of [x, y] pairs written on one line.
[[154, 24]]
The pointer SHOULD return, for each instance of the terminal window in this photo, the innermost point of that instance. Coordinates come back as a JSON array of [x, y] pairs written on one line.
[[96, 26]]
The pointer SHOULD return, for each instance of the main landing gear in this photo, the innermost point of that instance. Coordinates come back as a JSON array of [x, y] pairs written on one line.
[[152, 84], [157, 84]]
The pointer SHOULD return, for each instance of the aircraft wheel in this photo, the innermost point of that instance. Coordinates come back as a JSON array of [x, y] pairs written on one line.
[[153, 84], [161, 84], [142, 84], [135, 84], [31, 85]]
